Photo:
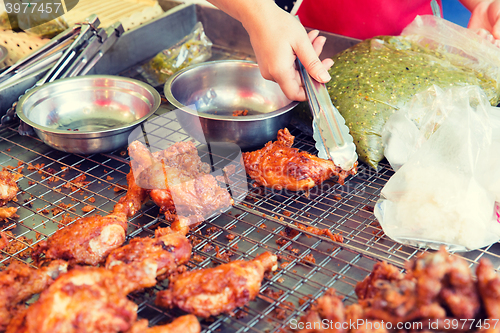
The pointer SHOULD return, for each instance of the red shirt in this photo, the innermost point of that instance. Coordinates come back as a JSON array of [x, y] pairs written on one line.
[[362, 18]]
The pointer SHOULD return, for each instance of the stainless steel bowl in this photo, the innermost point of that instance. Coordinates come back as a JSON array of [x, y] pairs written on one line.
[[207, 94], [88, 114]]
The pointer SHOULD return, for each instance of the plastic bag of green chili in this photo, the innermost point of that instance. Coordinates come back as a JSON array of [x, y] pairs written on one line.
[[376, 77], [192, 49], [49, 29]]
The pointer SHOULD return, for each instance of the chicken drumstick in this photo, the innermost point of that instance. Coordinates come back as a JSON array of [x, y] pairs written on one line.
[[212, 291]]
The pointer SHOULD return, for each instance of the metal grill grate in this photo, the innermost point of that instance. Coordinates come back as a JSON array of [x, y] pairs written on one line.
[[263, 221]]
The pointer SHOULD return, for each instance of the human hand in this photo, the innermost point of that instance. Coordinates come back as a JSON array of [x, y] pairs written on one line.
[[277, 39], [485, 20]]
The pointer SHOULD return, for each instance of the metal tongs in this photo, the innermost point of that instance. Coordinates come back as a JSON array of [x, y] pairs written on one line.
[[41, 58], [333, 140]]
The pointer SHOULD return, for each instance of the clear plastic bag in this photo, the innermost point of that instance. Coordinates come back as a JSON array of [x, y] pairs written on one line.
[[408, 128], [461, 47], [447, 192], [192, 49]]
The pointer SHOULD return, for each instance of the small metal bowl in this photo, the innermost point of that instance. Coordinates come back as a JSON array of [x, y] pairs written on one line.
[[207, 94], [88, 114]]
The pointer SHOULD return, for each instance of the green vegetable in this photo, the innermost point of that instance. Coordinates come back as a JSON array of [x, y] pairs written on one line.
[[6, 23], [192, 49], [166, 63], [49, 29], [374, 78]]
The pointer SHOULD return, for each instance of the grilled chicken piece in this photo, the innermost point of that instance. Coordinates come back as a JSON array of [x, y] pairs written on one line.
[[329, 307], [8, 186], [184, 324], [168, 250], [448, 279], [488, 283], [133, 200], [88, 240], [435, 285], [212, 291], [279, 166], [382, 271], [178, 181], [4, 241], [8, 192], [87, 299], [7, 212], [19, 282]]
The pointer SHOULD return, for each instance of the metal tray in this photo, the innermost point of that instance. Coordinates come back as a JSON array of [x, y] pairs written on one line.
[[264, 221]]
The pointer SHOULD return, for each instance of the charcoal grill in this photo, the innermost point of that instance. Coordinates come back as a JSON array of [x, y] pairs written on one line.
[[263, 221]]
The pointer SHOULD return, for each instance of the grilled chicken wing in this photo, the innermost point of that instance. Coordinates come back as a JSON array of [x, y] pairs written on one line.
[[212, 291], [279, 166], [87, 241], [19, 282], [168, 249], [87, 299], [184, 324], [178, 181]]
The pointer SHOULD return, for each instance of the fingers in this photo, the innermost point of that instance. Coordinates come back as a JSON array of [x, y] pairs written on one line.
[[483, 33], [327, 63], [485, 20], [312, 35], [291, 85], [284, 74], [494, 18], [308, 55]]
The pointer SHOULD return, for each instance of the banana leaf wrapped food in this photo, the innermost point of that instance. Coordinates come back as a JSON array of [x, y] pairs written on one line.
[[374, 78]]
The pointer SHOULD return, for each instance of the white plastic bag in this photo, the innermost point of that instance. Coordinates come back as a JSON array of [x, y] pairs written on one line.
[[408, 128], [447, 190]]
